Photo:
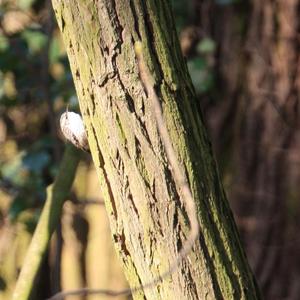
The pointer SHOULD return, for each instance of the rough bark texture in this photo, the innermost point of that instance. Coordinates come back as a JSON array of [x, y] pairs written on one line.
[[147, 217]]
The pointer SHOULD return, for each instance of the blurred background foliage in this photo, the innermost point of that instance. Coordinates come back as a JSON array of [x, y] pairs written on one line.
[[35, 87], [243, 58]]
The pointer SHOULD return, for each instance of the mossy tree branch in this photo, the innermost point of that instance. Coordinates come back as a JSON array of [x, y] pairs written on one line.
[[51, 213]]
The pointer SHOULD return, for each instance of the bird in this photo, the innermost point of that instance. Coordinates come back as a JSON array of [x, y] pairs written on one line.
[[72, 128]]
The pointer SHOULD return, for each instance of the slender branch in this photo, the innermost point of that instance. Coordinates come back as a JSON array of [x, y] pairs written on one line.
[[56, 195]]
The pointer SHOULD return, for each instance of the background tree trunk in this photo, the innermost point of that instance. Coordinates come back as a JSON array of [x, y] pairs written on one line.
[[147, 217], [257, 64]]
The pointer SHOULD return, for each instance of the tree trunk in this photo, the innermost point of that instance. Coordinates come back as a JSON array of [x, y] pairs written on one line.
[[148, 218], [258, 64]]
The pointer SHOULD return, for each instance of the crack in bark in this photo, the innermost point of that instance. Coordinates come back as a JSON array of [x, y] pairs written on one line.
[[77, 74], [102, 164], [153, 241], [130, 198], [121, 240], [63, 23], [105, 78], [151, 43], [158, 224], [122, 133], [92, 97], [212, 270], [135, 22], [191, 284]]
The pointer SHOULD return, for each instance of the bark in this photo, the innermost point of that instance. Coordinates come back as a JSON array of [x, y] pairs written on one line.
[[147, 217]]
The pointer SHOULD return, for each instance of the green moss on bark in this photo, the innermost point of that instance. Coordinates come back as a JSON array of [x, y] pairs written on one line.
[[147, 216]]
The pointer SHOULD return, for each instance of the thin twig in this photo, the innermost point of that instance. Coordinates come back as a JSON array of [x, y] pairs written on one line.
[[177, 170]]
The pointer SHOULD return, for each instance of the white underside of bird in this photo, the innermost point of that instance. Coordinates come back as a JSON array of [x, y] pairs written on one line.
[[72, 127]]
